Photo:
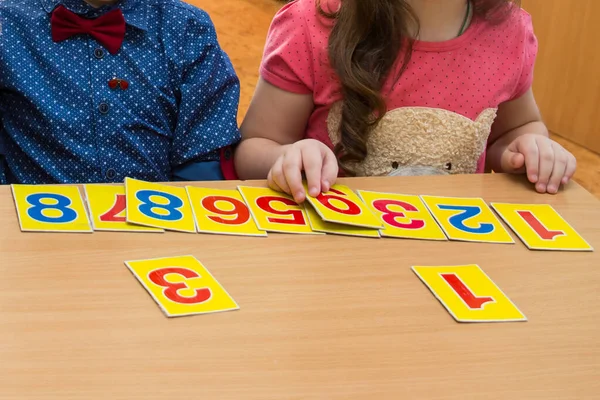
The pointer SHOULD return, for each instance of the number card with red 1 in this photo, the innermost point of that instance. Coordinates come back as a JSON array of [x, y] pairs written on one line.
[[540, 227], [182, 286], [49, 208], [275, 212], [107, 205], [467, 219], [318, 225], [403, 216], [159, 206], [469, 294], [341, 205], [222, 212]]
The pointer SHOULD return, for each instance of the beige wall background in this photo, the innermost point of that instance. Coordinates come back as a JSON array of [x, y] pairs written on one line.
[[567, 75]]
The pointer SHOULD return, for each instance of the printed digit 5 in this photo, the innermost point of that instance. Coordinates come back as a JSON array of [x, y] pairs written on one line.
[[297, 218]]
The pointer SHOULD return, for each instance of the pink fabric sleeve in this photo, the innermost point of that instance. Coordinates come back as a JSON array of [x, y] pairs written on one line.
[[530, 50], [287, 60]]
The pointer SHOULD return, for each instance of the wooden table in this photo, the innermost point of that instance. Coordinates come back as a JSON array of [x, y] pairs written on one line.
[[321, 317]]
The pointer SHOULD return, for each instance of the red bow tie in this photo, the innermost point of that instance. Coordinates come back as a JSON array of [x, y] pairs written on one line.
[[109, 29]]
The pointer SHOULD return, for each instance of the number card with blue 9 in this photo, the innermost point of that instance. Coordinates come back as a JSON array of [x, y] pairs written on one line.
[[159, 206], [49, 208]]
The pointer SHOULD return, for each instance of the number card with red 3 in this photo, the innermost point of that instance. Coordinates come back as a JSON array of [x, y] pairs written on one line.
[[341, 205], [275, 212], [182, 286], [540, 227], [159, 206], [107, 205], [222, 212], [403, 216], [49, 208]]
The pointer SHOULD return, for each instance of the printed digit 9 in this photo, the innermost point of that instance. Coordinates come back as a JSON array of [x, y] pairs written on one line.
[[240, 212]]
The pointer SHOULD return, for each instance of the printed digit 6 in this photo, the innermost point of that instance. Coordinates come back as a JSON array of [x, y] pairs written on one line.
[[265, 204], [171, 289], [240, 210], [112, 215], [468, 212], [36, 211], [325, 199], [147, 207], [389, 216]]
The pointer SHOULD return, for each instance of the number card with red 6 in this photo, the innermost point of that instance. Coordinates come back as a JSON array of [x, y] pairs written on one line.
[[403, 216], [342, 206], [159, 206], [107, 205], [49, 208], [275, 212], [222, 212], [182, 286]]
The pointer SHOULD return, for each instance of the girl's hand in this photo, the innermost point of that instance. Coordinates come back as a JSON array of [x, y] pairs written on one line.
[[546, 162], [311, 156]]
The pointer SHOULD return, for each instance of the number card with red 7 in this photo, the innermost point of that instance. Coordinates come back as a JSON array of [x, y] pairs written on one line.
[[49, 208], [540, 227], [107, 205], [403, 216], [342, 206], [222, 212], [275, 212], [182, 286], [159, 206]]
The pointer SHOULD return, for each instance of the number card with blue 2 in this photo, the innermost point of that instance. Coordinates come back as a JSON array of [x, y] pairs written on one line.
[[107, 205], [182, 286], [159, 206], [467, 219], [49, 208]]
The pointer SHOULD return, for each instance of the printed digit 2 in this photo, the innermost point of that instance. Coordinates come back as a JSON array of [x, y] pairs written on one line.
[[468, 212], [147, 207], [297, 218], [389, 216], [62, 204], [171, 290], [240, 210]]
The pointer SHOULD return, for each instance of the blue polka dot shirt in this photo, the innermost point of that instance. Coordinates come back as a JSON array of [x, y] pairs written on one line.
[[62, 123]]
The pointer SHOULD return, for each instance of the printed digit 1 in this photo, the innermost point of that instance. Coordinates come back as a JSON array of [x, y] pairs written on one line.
[[264, 203], [351, 207], [389, 216], [147, 207], [112, 215], [472, 301], [171, 289], [36, 211], [468, 212], [538, 227], [240, 210]]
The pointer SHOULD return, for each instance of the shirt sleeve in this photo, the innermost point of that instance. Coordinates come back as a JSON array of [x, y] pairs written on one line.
[[209, 98], [530, 51], [288, 56]]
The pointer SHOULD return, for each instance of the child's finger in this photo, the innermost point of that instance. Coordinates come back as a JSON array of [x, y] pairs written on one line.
[[292, 171], [570, 169], [277, 178], [312, 163], [559, 169], [546, 162], [330, 170], [530, 152]]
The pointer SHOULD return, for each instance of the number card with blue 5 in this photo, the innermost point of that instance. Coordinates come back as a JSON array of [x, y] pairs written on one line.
[[49, 208], [159, 206], [182, 286]]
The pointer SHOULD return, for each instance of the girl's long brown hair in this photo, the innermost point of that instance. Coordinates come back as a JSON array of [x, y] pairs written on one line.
[[365, 43]]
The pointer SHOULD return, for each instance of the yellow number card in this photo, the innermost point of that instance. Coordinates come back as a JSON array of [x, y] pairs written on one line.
[[107, 205], [159, 206], [469, 294], [182, 286], [222, 212], [318, 225], [49, 208], [540, 227], [466, 219], [403, 216]]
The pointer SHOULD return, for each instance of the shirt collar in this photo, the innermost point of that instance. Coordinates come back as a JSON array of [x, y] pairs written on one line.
[[134, 11]]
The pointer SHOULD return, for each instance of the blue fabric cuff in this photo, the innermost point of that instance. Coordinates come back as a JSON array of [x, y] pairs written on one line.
[[198, 171]]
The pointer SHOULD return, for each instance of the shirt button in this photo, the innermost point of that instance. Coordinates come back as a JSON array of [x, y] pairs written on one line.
[[99, 53], [227, 154], [103, 108], [111, 174]]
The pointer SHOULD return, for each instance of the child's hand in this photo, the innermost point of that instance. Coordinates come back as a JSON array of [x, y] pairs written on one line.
[[311, 156], [546, 162]]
